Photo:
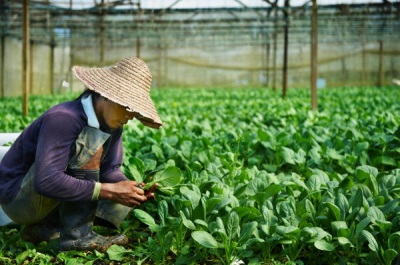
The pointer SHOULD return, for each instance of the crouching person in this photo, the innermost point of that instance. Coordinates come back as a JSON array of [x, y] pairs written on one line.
[[62, 174]]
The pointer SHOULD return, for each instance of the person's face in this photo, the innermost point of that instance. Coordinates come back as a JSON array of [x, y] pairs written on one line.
[[113, 115]]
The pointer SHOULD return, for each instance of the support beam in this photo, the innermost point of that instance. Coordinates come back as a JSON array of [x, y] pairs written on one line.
[[138, 41], [51, 68], [285, 49], [25, 59], [2, 75], [381, 80], [101, 35], [275, 36], [314, 54]]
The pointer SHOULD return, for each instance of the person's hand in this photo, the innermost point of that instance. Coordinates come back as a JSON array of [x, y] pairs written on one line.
[[125, 192], [150, 192]]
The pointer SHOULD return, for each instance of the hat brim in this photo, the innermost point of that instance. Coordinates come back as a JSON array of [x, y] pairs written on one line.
[[110, 85]]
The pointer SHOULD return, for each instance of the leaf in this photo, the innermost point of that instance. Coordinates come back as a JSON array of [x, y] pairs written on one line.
[[192, 193], [343, 204], [163, 211], [22, 256], [205, 239], [187, 223], [390, 255], [166, 179], [375, 214], [247, 231], [333, 154], [117, 253], [134, 174], [288, 155], [249, 212], [385, 160], [323, 245], [394, 240], [361, 225], [364, 172], [344, 241], [337, 225], [157, 151], [147, 219], [373, 245], [334, 209], [232, 226], [314, 183]]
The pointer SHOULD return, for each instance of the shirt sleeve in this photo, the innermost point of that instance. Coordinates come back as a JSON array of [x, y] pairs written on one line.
[[58, 133], [110, 170]]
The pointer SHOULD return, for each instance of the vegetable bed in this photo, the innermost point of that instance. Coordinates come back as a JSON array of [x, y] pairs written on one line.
[[250, 178]]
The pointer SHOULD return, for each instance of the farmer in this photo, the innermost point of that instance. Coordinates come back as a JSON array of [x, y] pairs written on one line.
[[62, 174]]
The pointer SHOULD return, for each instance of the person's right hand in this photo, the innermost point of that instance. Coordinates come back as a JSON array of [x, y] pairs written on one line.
[[125, 192]]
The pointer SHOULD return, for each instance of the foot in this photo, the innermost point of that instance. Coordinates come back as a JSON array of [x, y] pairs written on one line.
[[92, 241]]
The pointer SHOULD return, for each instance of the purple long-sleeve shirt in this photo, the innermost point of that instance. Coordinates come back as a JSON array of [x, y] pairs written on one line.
[[48, 143]]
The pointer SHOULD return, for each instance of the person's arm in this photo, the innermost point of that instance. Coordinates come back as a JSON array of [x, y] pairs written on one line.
[[57, 134]]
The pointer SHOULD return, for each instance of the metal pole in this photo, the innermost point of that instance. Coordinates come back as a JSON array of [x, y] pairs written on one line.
[[285, 49], [101, 44], [25, 59], [275, 35], [381, 72], [52, 46], [3, 53], [71, 56], [138, 30], [364, 64], [314, 54]]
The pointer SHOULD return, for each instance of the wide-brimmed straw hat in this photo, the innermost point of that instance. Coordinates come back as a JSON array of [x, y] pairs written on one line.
[[126, 83]]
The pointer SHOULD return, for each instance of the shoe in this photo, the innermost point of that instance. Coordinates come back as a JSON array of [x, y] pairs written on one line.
[[77, 222]]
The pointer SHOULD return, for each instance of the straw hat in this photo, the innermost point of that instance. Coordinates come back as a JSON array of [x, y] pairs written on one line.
[[126, 83]]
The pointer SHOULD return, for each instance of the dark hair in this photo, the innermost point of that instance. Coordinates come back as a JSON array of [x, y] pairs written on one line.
[[88, 92]]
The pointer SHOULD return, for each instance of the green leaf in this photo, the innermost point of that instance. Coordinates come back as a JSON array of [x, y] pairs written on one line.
[[192, 193], [187, 223], [117, 253], [247, 231], [163, 211], [337, 225], [22, 256], [157, 151], [394, 240], [385, 160], [375, 214], [373, 245], [166, 179], [361, 225], [314, 183], [147, 219], [232, 226], [390, 255], [334, 209], [323, 245], [288, 156], [205, 239], [364, 172], [344, 241]]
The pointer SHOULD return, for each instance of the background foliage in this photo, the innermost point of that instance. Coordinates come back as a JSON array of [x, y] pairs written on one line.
[[263, 180]]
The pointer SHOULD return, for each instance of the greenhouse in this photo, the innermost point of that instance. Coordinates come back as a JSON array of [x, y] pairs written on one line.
[[246, 131]]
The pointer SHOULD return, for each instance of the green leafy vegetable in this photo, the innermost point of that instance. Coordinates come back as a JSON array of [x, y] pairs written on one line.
[[167, 180]]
